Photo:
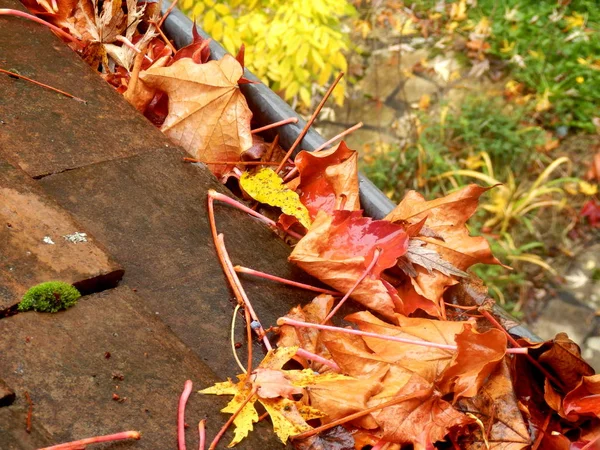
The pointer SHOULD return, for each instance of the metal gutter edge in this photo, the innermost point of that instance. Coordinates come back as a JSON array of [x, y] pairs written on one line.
[[268, 108]]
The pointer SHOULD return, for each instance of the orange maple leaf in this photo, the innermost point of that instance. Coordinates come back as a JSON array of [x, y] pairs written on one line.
[[445, 219]]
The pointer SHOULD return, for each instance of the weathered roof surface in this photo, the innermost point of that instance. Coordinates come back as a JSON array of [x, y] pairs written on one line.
[[106, 171], [41, 241]]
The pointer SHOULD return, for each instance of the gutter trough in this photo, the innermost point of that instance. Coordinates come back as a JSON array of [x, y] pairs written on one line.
[[267, 107]]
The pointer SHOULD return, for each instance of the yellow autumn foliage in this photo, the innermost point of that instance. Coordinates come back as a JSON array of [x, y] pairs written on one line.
[[265, 186], [291, 45]]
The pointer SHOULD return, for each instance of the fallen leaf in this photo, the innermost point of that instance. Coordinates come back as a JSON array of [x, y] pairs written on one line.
[[446, 217], [584, 399], [338, 249], [265, 186], [423, 420], [591, 210], [271, 389], [428, 362], [308, 339], [208, 115], [328, 179], [477, 357], [497, 407], [563, 357], [418, 253], [336, 438]]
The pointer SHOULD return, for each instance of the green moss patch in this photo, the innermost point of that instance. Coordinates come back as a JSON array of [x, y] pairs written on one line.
[[51, 296]]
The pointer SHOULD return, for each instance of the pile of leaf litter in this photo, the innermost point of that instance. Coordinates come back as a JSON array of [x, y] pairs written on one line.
[[423, 363]]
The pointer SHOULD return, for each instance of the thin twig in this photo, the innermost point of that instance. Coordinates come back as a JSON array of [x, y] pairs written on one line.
[[201, 427], [57, 30], [187, 390], [249, 338], [164, 37], [514, 342], [271, 149], [275, 125], [81, 443], [22, 77], [233, 163], [309, 123], [214, 195], [354, 286], [317, 358], [267, 276], [167, 12], [222, 431], [235, 356], [297, 323], [29, 412], [362, 413], [239, 290]]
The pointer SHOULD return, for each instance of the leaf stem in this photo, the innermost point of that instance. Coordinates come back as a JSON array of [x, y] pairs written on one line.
[[239, 290], [57, 30], [167, 12], [294, 171], [22, 77], [297, 323], [214, 195], [95, 440], [317, 358], [309, 123], [201, 427], [367, 271], [187, 390], [514, 342], [249, 338], [267, 276], [275, 125], [239, 163], [362, 413], [232, 334], [224, 428]]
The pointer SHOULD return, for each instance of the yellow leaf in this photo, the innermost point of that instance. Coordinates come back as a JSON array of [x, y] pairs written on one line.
[[275, 359], [287, 420], [458, 11], [217, 31], [507, 47], [198, 9], [222, 9], [574, 21], [588, 188], [266, 186], [302, 54], [209, 20], [224, 388], [305, 96], [543, 103]]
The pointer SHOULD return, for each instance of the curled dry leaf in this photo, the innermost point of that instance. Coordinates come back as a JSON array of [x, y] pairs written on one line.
[[328, 180], [208, 115], [477, 357], [338, 248], [584, 399], [265, 186], [563, 357], [445, 217]]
